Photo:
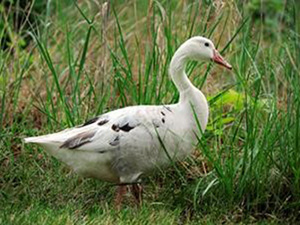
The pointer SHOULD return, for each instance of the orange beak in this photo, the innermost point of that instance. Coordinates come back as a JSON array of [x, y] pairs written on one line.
[[217, 58]]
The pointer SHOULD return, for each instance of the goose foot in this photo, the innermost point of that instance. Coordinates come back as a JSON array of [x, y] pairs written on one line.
[[137, 192], [120, 192]]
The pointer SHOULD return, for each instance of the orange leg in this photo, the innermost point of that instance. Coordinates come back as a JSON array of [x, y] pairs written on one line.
[[137, 191], [120, 192]]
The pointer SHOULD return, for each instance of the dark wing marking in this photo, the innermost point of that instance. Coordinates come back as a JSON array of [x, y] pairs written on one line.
[[78, 140], [115, 127], [115, 141], [125, 124], [156, 123], [168, 108], [90, 121], [102, 122], [163, 120], [126, 127], [162, 113]]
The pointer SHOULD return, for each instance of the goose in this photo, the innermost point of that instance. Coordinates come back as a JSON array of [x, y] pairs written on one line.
[[123, 145]]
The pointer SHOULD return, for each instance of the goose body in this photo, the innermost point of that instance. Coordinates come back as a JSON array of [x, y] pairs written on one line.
[[124, 144]]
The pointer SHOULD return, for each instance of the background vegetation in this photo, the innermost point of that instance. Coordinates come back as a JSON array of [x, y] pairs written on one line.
[[61, 63]]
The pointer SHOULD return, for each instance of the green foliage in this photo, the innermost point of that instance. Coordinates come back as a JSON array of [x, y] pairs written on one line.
[[271, 15], [18, 17]]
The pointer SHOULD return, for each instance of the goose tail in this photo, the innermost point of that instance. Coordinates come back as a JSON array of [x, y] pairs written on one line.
[[51, 138], [36, 140]]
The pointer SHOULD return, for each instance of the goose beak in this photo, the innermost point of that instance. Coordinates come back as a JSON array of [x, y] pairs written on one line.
[[217, 58]]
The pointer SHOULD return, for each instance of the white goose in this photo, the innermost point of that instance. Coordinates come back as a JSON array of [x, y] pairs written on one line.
[[121, 145]]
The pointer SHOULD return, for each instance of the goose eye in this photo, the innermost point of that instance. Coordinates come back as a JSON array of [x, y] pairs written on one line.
[[206, 44]]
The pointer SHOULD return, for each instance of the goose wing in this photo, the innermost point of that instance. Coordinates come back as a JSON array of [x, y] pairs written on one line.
[[128, 128]]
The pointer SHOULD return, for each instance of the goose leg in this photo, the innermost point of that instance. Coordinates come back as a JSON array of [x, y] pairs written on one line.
[[137, 191], [120, 192]]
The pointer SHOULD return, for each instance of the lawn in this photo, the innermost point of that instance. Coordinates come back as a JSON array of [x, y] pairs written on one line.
[[63, 63]]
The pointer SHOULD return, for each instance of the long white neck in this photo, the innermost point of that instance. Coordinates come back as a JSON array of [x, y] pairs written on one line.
[[189, 94], [177, 71]]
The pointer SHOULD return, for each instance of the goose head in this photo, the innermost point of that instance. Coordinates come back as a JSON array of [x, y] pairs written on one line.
[[202, 49]]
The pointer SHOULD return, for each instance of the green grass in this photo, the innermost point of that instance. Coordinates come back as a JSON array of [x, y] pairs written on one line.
[[82, 62]]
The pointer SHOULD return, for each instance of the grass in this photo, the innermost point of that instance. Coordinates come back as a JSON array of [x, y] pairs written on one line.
[[86, 59]]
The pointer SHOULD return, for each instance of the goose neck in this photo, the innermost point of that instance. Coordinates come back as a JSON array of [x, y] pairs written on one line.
[[177, 71]]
